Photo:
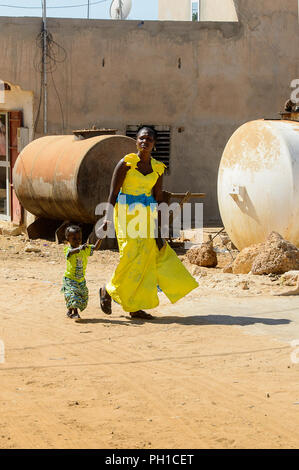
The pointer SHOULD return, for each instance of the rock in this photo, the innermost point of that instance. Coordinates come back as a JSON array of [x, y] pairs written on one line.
[[225, 240], [195, 271], [290, 278], [245, 285], [32, 249], [277, 256], [203, 255], [228, 268], [244, 261], [12, 230]]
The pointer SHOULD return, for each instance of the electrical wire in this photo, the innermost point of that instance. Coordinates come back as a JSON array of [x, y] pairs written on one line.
[[60, 104], [62, 6], [39, 104], [56, 54]]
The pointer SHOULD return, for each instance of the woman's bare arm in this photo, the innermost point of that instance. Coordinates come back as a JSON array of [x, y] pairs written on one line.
[[117, 180], [158, 189]]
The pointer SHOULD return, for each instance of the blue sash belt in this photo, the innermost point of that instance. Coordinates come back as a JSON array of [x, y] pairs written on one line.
[[132, 200]]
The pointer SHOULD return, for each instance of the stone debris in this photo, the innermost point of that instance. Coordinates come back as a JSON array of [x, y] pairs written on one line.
[[245, 285], [196, 271], [290, 278], [225, 240], [11, 230], [204, 255], [244, 261], [32, 249], [292, 292], [275, 256], [228, 268]]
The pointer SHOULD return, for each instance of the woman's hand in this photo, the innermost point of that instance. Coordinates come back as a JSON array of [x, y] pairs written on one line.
[[102, 230]]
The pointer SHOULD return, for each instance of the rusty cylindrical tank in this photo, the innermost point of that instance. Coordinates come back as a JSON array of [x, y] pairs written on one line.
[[258, 182], [63, 178]]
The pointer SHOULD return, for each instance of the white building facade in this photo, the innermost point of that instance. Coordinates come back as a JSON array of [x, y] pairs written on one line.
[[197, 10]]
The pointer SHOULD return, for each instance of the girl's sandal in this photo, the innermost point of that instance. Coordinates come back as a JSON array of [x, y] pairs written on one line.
[[105, 303], [73, 315], [76, 316], [142, 314]]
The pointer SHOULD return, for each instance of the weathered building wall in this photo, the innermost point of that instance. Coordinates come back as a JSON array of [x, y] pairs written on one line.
[[20, 100], [121, 73], [210, 10]]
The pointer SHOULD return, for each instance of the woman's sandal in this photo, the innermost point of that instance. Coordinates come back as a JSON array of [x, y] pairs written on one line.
[[142, 314], [105, 303]]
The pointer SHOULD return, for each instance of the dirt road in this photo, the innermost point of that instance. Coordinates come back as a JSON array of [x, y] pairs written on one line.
[[212, 371]]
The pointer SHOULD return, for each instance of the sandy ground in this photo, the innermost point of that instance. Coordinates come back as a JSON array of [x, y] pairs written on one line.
[[212, 371]]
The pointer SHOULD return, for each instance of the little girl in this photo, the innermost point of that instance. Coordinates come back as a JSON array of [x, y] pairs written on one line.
[[74, 284]]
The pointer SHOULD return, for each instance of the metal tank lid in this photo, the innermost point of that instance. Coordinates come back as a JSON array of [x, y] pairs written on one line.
[[88, 133]]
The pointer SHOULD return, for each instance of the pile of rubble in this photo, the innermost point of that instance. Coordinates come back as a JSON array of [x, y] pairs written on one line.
[[274, 256]]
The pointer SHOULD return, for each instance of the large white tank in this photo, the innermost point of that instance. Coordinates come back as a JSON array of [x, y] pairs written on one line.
[[258, 182]]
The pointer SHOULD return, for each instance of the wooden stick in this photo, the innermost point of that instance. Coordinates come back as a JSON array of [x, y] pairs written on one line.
[[182, 195]]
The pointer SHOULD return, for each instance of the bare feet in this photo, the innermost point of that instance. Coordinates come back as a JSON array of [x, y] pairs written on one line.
[[142, 314]]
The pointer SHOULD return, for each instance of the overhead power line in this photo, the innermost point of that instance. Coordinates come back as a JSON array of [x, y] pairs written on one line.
[[54, 8]]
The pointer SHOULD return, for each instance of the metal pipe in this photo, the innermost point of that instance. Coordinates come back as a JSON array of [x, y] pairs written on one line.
[[45, 78], [88, 9], [120, 6]]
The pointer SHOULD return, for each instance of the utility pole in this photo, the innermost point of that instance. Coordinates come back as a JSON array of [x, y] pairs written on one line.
[[88, 9], [45, 50]]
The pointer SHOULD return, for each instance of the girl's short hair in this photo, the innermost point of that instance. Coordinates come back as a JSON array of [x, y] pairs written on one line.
[[72, 229]]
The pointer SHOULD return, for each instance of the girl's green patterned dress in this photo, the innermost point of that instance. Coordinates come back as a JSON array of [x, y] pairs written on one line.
[[74, 285]]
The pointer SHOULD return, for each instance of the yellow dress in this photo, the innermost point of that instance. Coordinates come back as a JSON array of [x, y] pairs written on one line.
[[143, 268]]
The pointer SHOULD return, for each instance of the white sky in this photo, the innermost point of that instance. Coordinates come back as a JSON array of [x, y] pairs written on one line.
[[141, 10]]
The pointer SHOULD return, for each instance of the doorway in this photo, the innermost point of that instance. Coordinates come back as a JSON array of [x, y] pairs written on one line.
[[4, 168], [10, 207]]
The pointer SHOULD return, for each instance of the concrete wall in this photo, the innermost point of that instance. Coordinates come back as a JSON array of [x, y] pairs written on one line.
[[210, 10], [121, 73]]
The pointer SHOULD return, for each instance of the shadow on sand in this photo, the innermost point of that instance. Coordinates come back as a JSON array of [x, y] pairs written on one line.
[[191, 320]]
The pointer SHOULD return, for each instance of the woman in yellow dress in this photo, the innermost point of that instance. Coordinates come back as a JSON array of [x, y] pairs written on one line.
[[146, 263]]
